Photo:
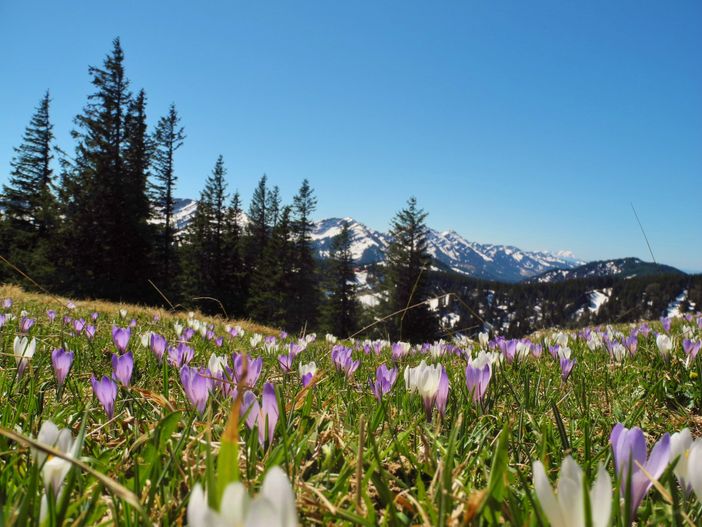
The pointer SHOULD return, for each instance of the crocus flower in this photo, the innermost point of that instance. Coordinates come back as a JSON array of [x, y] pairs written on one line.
[[7, 303], [123, 313], [384, 381], [248, 375], [631, 343], [629, 448], [61, 361], [105, 390], [216, 365], [54, 469], [430, 382], [187, 334], [255, 339], [24, 351], [341, 357], [94, 315], [478, 374], [567, 508], [483, 339], [265, 415], [158, 345], [694, 464], [274, 506], [399, 350], [180, 354], [122, 367], [666, 322], [26, 324], [51, 315], [566, 363], [680, 445], [197, 386], [286, 361], [120, 337], [691, 349], [307, 373], [665, 344], [78, 325]]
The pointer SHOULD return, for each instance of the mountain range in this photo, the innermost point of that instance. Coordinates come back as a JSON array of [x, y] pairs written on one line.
[[453, 253]]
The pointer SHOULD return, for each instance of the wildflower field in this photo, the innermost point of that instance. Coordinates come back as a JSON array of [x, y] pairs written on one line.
[[124, 415]]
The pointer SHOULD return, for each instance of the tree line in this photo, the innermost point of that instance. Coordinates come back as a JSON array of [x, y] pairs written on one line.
[[103, 226]]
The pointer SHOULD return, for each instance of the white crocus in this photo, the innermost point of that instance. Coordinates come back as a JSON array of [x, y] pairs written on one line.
[[274, 506], [145, 339], [483, 339], [331, 339], [308, 368], [664, 343], [54, 469], [178, 328], [255, 339], [562, 339], [594, 342], [24, 351], [681, 444], [567, 507], [437, 349], [618, 351], [216, 364], [694, 467], [423, 379], [123, 313], [523, 350]]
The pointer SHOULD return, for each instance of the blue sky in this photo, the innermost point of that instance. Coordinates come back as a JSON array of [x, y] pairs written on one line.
[[528, 123]]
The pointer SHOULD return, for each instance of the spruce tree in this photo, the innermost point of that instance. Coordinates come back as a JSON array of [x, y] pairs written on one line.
[[304, 287], [168, 137], [103, 194], [234, 290], [204, 265], [406, 275], [269, 299], [30, 208], [340, 313], [257, 230]]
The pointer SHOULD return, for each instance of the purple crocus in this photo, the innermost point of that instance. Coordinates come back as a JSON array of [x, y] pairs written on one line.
[[180, 355], [566, 367], [105, 390], [629, 449], [120, 336], [61, 361], [631, 343], [122, 367], [341, 357], [51, 315], [197, 386], [26, 324], [286, 361], [7, 303], [247, 376], [3, 318], [90, 331], [94, 316], [691, 348], [188, 334], [442, 393], [78, 325], [265, 415], [158, 345], [666, 322], [477, 380], [384, 381]]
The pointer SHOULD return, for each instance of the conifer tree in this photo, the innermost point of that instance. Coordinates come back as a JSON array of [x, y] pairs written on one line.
[[204, 265], [304, 288], [103, 194], [407, 270], [257, 230], [340, 313], [168, 137], [235, 293], [30, 214], [269, 299]]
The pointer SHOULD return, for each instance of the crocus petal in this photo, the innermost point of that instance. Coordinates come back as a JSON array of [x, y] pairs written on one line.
[[547, 498], [276, 487], [601, 498], [235, 504], [695, 472]]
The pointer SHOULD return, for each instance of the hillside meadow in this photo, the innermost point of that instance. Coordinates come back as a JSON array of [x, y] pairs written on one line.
[[128, 415]]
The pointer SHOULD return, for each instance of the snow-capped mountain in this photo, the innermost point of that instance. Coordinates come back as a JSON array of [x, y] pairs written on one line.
[[620, 268], [492, 262], [503, 263]]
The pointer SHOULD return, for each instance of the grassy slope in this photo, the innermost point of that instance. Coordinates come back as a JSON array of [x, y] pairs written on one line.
[[411, 472]]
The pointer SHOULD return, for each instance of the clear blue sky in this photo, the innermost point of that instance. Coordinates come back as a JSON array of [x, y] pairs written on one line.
[[529, 123]]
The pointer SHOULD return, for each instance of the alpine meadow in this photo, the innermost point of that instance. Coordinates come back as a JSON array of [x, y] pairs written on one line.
[[187, 339]]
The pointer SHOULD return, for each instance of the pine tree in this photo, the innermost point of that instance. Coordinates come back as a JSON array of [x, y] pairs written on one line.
[[269, 299], [406, 277], [234, 290], [30, 209], [168, 138], [305, 292], [257, 230], [340, 313], [103, 194], [204, 262]]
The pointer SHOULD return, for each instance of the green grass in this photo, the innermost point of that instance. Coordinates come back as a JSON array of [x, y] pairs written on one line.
[[473, 466]]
